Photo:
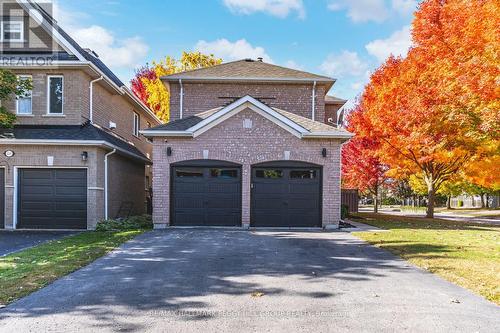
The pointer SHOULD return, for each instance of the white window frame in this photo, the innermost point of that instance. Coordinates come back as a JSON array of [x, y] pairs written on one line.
[[2, 29], [26, 76], [136, 124], [48, 95]]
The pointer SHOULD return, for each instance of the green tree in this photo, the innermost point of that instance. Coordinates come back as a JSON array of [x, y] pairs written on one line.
[[10, 86]]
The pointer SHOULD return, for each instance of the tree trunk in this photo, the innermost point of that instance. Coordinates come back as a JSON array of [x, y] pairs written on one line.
[[375, 200], [448, 202], [430, 201], [482, 200], [487, 200]]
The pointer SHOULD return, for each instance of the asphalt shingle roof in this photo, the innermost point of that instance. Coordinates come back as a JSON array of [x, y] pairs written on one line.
[[85, 132], [188, 122], [247, 68], [334, 100]]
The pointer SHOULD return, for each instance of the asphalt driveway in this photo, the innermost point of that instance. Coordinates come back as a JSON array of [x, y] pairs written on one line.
[[13, 241], [185, 280]]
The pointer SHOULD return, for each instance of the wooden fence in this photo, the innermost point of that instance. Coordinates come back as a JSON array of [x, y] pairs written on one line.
[[350, 198]]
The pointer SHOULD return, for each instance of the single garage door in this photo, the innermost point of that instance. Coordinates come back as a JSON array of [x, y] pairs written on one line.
[[286, 194], [52, 199], [206, 193]]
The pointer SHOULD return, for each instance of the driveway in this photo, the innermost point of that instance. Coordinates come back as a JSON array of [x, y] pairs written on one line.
[[13, 241], [185, 280]]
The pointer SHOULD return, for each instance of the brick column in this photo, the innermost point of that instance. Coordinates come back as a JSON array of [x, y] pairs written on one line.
[[245, 195]]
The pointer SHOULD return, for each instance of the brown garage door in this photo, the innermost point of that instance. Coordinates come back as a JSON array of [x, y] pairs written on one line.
[[52, 199]]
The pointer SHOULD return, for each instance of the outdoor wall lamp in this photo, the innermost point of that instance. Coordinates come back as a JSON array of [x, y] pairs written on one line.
[[169, 151], [323, 152], [85, 155]]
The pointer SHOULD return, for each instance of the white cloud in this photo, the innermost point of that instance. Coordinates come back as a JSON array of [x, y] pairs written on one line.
[[294, 65], [237, 50], [373, 10], [361, 10], [404, 7], [346, 63], [397, 44], [279, 8], [126, 52]]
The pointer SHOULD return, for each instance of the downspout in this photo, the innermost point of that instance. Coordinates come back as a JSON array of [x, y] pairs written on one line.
[[313, 101], [106, 215], [181, 98], [91, 103]]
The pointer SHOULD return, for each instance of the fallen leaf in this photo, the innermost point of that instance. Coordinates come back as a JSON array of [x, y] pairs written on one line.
[[455, 301], [257, 294]]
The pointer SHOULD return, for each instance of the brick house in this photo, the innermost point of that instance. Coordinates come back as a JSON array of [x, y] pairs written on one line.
[[247, 146], [75, 155]]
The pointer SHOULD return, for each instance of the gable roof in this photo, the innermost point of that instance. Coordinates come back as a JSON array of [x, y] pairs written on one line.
[[248, 70], [195, 125]]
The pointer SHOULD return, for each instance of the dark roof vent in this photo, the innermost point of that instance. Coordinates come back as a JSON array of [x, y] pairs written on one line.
[[260, 59], [248, 60]]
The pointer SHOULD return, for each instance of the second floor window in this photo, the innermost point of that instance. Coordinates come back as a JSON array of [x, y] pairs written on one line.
[[24, 102], [136, 124], [55, 90], [12, 31]]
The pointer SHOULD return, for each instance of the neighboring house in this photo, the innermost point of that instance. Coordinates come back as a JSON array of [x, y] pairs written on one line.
[[247, 146], [75, 155]]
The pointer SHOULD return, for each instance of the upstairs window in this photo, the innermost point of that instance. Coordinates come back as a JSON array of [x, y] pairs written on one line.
[[24, 102], [55, 92], [136, 124], [12, 31]]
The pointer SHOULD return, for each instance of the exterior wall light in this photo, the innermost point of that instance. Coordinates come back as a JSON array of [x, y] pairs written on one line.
[[85, 155], [323, 152], [169, 151]]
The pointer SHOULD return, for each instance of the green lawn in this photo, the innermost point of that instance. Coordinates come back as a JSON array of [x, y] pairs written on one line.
[[467, 254], [23, 272]]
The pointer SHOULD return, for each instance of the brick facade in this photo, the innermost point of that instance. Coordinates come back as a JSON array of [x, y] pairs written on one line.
[[199, 97], [229, 141]]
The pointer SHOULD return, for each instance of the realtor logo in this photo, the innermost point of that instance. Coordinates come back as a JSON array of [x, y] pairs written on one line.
[[26, 35]]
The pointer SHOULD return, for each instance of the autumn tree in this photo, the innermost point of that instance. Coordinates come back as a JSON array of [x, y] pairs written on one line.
[[436, 108], [10, 86], [147, 84], [361, 167]]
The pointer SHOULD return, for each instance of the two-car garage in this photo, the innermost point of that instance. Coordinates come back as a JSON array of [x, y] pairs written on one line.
[[209, 193]]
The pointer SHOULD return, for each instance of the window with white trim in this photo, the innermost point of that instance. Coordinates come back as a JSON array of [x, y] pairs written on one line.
[[24, 104], [12, 31], [55, 94], [137, 123]]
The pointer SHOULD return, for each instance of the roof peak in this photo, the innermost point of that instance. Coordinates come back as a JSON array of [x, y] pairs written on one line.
[[248, 70]]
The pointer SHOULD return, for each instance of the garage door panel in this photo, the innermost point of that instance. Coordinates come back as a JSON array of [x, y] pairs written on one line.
[[286, 197], [52, 198], [223, 187], [206, 196]]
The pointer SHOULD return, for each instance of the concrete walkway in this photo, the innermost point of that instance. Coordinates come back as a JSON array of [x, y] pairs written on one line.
[[202, 280], [445, 216]]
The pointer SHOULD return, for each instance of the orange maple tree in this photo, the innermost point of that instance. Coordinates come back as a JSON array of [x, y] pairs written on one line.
[[361, 167], [437, 110]]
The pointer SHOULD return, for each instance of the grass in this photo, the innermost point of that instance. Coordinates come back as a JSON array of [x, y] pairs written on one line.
[[466, 254], [24, 272]]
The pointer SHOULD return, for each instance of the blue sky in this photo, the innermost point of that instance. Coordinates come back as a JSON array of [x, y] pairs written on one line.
[[344, 39]]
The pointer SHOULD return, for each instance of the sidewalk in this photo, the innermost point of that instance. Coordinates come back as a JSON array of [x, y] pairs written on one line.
[[445, 216]]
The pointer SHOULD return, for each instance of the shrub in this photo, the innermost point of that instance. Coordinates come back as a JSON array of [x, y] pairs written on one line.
[[460, 203], [344, 211], [390, 201], [131, 223]]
